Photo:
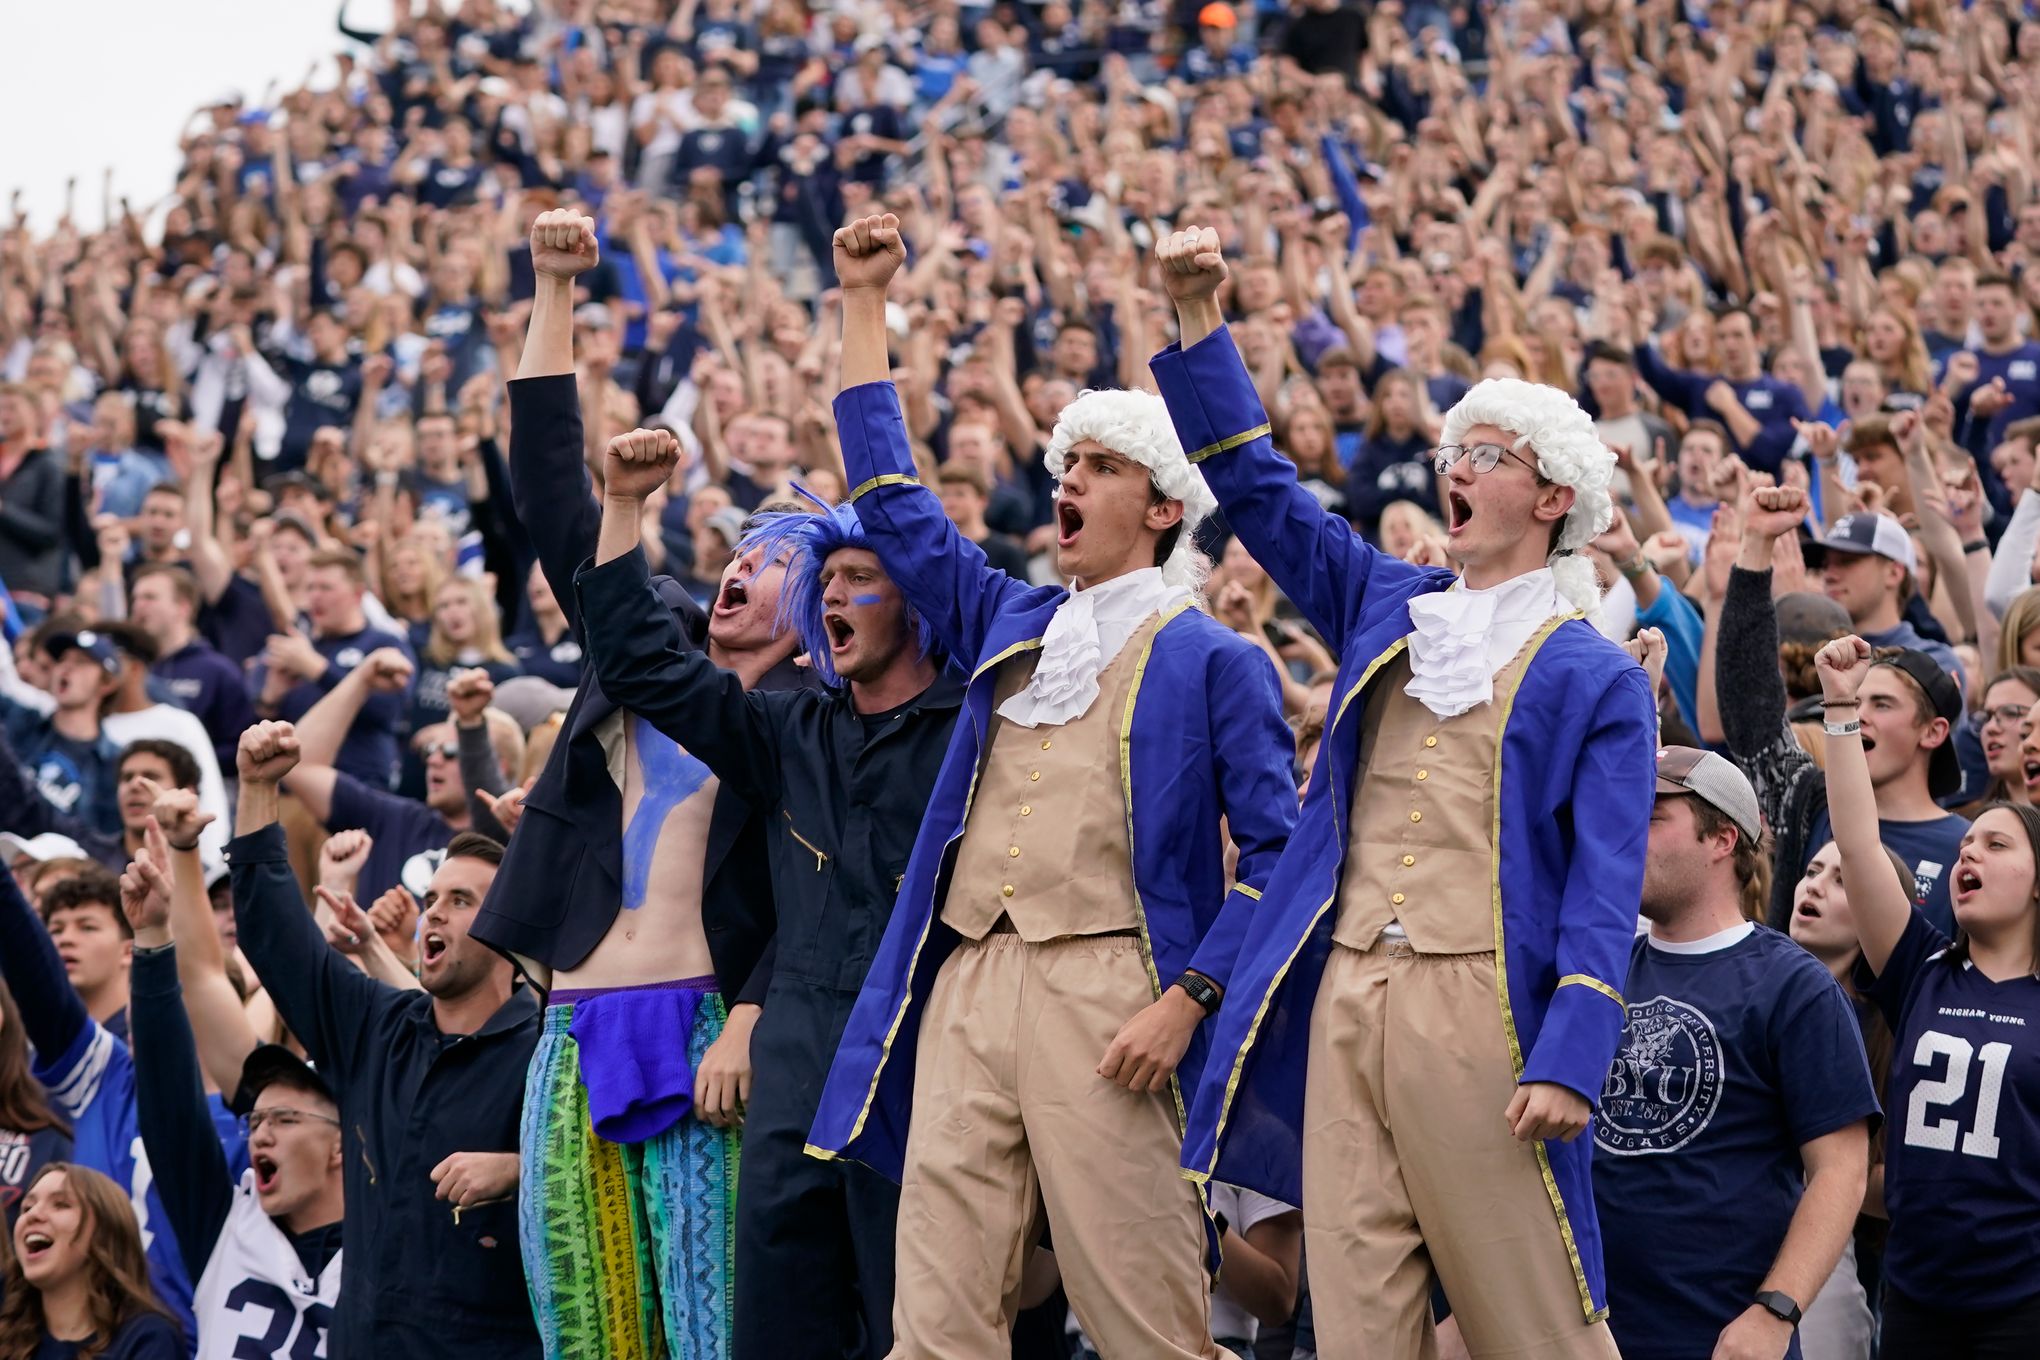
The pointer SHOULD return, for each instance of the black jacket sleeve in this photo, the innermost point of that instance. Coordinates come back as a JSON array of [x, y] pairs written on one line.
[[645, 665], [549, 484], [184, 1149]]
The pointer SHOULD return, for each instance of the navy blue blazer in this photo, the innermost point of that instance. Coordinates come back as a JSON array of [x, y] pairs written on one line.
[[561, 883]]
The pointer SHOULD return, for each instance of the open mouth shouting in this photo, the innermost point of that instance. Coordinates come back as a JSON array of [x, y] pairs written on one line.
[[432, 949], [35, 1247], [265, 1170], [1069, 522], [1966, 881], [2031, 770], [734, 595], [1458, 512], [841, 633]]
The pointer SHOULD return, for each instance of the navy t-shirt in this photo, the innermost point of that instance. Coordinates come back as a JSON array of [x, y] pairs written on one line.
[[401, 829], [204, 683], [238, 622], [369, 750], [559, 662], [147, 1337], [1929, 848], [1962, 1156], [1731, 1060]]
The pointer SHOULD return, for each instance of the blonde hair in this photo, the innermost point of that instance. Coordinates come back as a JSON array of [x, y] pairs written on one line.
[[441, 650]]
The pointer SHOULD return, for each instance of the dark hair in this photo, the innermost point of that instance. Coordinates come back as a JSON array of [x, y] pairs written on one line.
[[168, 487], [93, 886], [2029, 818], [1752, 864], [132, 639], [1995, 279], [474, 845], [183, 767], [24, 1105], [1607, 352], [116, 1271]]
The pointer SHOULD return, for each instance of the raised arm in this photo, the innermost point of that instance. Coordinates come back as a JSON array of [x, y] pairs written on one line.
[[1315, 556], [640, 658], [942, 574], [326, 724], [1880, 903], [219, 1021], [325, 1000], [176, 1127]]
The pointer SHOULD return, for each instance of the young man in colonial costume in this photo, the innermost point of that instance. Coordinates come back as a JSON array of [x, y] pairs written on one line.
[[1425, 1005], [1052, 957]]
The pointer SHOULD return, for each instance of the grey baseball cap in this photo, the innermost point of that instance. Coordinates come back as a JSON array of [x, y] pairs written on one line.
[[1710, 778]]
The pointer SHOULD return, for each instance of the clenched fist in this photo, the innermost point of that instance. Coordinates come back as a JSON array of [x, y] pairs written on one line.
[[1192, 264], [469, 693], [387, 669], [268, 752], [638, 463], [869, 252], [563, 244]]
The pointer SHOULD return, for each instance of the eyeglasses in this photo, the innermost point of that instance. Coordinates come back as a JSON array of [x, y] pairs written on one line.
[[2005, 713], [1484, 456], [282, 1117]]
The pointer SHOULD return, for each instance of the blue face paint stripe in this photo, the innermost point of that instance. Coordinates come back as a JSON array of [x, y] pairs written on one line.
[[865, 599], [671, 777]]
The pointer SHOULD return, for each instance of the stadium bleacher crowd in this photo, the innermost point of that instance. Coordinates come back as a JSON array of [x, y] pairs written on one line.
[[300, 473]]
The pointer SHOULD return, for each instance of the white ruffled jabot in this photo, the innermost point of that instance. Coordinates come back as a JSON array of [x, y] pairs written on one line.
[[1089, 629], [1460, 637]]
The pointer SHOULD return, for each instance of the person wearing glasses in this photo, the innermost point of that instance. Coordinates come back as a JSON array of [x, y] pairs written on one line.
[[263, 1247], [1991, 741], [1426, 1003]]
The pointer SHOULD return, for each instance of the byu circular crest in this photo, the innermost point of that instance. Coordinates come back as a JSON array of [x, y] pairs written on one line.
[[1665, 1083]]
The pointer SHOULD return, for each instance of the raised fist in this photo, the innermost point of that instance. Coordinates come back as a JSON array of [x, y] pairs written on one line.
[[176, 811], [869, 252], [268, 752], [638, 463], [563, 244], [1773, 511], [388, 670], [1192, 264], [469, 692]]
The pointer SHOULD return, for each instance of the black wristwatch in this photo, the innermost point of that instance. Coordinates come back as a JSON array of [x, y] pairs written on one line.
[[1780, 1305], [1201, 991]]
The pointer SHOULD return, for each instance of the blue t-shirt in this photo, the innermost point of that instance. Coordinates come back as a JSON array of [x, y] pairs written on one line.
[[1731, 1060], [2020, 368], [1962, 1157], [402, 829], [143, 1337], [202, 682], [1929, 848]]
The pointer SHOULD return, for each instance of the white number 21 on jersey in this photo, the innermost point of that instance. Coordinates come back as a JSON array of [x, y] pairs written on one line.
[[1939, 1134]]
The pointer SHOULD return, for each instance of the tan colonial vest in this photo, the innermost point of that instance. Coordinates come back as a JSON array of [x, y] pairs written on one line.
[[1046, 843], [1420, 850]]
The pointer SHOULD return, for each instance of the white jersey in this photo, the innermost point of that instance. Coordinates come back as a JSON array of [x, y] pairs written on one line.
[[254, 1299]]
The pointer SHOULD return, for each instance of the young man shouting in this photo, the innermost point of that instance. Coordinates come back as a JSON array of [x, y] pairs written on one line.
[[1427, 1001], [1059, 940]]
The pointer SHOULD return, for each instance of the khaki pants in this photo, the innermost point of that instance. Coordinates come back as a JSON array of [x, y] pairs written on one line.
[[1409, 1168], [1010, 1119]]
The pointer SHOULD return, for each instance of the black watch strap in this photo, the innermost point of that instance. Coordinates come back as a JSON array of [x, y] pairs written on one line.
[[1780, 1305], [1201, 991]]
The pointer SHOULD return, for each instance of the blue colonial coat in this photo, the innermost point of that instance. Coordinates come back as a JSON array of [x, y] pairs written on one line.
[[1575, 774], [1202, 738]]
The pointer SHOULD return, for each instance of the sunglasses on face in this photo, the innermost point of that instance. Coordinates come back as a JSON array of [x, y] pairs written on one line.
[[445, 749], [1484, 457]]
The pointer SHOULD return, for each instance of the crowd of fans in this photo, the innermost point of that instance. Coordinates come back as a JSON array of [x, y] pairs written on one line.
[[251, 468]]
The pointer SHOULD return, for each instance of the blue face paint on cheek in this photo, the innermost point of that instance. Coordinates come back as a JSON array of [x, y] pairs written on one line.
[[864, 599]]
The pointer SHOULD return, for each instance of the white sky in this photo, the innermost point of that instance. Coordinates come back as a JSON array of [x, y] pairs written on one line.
[[98, 83]]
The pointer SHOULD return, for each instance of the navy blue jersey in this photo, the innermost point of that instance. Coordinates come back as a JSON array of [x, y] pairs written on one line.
[[370, 751], [1731, 1060], [1929, 849], [1962, 1156], [403, 829], [559, 662], [2020, 368]]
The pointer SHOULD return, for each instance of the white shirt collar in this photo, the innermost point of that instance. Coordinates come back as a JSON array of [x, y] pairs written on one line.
[[1461, 636], [1089, 628], [1706, 944]]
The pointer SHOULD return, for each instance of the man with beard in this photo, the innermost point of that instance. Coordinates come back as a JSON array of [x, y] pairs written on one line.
[[1058, 969], [843, 775], [628, 1193]]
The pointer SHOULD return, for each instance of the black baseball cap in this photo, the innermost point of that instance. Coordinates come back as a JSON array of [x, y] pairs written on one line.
[[94, 644], [1944, 774], [269, 1064]]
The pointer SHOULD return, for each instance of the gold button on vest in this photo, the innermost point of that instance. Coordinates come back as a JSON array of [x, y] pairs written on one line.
[[1068, 872], [1420, 844]]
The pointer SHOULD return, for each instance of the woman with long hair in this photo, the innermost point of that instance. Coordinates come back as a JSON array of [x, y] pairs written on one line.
[[76, 1284], [2019, 631], [1999, 728], [1394, 461], [464, 634], [1893, 342], [1309, 441], [1961, 1184], [409, 586], [32, 1133]]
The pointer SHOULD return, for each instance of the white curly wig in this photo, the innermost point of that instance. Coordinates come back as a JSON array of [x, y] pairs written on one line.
[[1569, 453], [1136, 425]]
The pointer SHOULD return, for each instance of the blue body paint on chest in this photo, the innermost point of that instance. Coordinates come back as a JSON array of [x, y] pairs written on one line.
[[671, 777]]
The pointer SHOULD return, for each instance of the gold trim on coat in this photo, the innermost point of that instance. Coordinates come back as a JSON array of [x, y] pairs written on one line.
[[1228, 444], [883, 479]]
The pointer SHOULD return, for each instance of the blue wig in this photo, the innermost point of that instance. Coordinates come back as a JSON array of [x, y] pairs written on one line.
[[804, 539]]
